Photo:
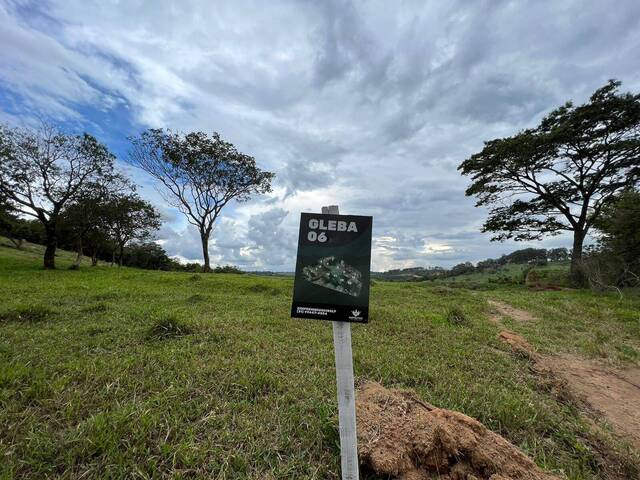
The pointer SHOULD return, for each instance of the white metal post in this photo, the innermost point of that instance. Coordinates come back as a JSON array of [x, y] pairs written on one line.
[[346, 391]]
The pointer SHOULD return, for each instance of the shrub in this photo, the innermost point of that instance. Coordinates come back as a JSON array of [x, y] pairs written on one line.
[[532, 278], [227, 269]]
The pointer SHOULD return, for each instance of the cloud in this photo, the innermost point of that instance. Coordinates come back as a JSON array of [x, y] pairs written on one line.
[[362, 104]]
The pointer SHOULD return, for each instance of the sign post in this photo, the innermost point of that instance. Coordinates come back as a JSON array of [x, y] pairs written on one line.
[[346, 391], [332, 283]]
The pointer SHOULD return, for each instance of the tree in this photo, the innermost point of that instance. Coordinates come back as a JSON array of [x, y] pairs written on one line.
[[619, 225], [461, 269], [559, 254], [128, 218], [84, 219], [527, 255], [559, 176], [148, 255], [42, 170], [200, 175], [488, 264]]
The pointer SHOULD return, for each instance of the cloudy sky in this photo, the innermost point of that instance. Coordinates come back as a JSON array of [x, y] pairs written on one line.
[[369, 105]]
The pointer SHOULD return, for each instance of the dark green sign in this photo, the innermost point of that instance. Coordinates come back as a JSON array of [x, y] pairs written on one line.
[[332, 270]]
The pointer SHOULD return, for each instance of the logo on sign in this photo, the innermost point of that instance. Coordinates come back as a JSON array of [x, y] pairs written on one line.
[[355, 315]]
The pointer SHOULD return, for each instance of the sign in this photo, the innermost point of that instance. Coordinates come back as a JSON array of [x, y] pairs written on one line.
[[332, 269]]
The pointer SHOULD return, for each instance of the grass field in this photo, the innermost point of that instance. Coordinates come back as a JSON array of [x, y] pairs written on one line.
[[123, 373]]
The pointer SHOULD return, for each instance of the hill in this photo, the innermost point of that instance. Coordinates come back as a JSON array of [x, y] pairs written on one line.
[[553, 274], [108, 371]]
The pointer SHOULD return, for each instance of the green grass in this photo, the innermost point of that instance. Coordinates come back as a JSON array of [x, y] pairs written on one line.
[[123, 373]]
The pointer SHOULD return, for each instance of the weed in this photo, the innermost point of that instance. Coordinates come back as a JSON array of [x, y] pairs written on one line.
[[106, 296], [442, 290], [264, 289], [168, 327], [455, 316], [197, 298], [96, 308], [27, 314]]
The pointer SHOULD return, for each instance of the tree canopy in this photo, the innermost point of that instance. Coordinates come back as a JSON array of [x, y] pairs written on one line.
[[199, 174], [619, 225], [558, 176], [42, 170]]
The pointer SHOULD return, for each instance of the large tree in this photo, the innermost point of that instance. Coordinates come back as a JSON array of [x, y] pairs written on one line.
[[42, 170], [200, 175], [559, 176]]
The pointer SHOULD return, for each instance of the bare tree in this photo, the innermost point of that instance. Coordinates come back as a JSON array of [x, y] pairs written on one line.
[[41, 170], [200, 175]]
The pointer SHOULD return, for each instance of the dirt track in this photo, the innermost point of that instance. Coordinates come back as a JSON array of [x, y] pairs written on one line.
[[613, 394]]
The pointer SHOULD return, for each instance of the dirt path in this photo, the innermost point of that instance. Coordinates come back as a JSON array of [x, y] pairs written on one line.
[[507, 310], [613, 394]]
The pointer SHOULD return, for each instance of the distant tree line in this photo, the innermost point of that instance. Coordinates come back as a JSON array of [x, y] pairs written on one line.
[[530, 256], [64, 190]]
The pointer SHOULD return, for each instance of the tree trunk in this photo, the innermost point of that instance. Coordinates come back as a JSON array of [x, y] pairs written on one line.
[[51, 243], [17, 242], [576, 272], [204, 238], [120, 254], [94, 257], [78, 260]]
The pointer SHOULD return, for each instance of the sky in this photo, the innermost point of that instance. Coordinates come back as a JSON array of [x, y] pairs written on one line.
[[368, 105]]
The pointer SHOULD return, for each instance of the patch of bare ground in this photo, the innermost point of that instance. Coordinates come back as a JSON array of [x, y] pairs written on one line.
[[605, 393], [615, 394], [407, 439], [509, 311]]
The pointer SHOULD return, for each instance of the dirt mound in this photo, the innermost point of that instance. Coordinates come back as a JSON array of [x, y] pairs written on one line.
[[401, 436], [509, 311], [518, 344]]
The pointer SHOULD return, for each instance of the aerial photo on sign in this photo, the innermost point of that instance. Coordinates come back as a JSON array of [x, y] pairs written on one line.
[[332, 268]]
